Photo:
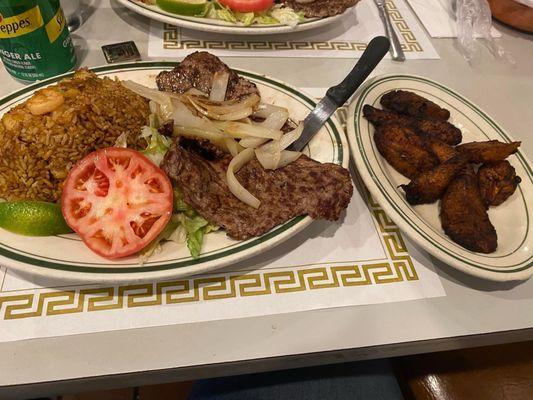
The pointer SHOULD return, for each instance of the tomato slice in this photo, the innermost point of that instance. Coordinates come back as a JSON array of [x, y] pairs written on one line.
[[117, 201], [248, 5]]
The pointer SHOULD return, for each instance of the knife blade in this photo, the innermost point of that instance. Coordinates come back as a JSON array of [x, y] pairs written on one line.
[[337, 95]]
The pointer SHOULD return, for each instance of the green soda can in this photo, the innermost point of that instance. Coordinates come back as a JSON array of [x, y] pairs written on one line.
[[34, 39]]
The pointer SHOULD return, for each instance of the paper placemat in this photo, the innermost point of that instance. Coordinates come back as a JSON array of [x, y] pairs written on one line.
[[346, 39], [363, 259], [438, 17]]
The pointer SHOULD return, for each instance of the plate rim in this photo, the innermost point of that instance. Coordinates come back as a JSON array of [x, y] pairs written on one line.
[[525, 268], [189, 23], [264, 242]]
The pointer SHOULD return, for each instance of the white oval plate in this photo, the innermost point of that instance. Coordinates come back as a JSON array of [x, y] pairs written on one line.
[[512, 220], [218, 26], [67, 257]]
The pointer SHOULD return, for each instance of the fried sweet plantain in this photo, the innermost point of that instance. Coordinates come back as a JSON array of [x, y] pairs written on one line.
[[489, 151], [464, 217], [381, 117], [440, 130], [411, 104], [404, 150], [429, 186], [442, 150], [497, 182]]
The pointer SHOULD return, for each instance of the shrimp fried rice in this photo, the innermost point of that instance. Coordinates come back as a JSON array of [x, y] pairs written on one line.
[[43, 137]]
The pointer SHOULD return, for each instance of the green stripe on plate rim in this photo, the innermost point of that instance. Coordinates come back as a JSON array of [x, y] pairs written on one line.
[[205, 21], [4, 250], [482, 114]]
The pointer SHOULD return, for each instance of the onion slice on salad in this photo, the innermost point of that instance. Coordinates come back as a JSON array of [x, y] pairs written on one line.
[[219, 86], [234, 186]]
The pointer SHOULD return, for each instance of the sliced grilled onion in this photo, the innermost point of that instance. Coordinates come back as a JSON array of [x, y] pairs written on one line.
[[230, 116], [219, 86], [276, 120], [252, 142], [161, 98], [154, 107], [264, 110], [269, 156], [233, 147], [231, 110], [241, 130], [285, 141], [195, 92], [287, 157], [218, 139], [227, 106], [182, 116], [234, 186], [291, 137], [273, 155]]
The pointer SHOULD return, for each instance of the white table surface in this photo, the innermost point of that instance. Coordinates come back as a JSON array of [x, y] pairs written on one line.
[[473, 313]]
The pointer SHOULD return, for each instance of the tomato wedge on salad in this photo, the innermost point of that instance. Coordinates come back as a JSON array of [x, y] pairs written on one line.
[[117, 201], [248, 5]]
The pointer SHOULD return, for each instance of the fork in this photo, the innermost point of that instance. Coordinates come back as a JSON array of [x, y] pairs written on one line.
[[396, 48]]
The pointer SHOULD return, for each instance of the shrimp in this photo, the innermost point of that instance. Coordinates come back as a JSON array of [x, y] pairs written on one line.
[[12, 119], [45, 101]]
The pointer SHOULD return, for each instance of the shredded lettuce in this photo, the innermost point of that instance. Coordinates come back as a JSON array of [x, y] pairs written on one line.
[[155, 246], [185, 225], [278, 14], [265, 19], [226, 14], [286, 15], [246, 18], [158, 144], [194, 226]]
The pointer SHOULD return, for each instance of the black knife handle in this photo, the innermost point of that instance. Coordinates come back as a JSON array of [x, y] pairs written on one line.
[[374, 52]]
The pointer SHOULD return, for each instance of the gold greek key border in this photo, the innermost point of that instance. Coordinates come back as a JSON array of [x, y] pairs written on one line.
[[203, 289], [172, 40]]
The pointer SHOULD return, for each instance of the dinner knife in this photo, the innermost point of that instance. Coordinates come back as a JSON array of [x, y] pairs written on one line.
[[337, 95]]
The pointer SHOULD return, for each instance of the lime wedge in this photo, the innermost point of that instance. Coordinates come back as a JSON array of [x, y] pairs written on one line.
[[183, 7], [33, 218]]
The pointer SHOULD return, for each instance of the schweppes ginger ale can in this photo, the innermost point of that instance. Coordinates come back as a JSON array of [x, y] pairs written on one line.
[[34, 39]]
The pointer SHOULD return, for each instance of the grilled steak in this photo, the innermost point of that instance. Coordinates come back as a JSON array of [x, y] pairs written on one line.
[[321, 8], [303, 187], [197, 70]]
